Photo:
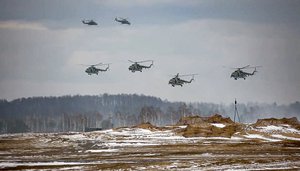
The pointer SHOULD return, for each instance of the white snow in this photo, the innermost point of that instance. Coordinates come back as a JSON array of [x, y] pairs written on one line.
[[75, 137], [285, 137], [182, 126], [257, 136], [275, 128], [219, 125], [55, 163], [102, 151]]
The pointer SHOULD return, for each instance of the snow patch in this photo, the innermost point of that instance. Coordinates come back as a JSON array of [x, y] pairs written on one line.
[[257, 136], [285, 137], [281, 128], [102, 151], [55, 163], [219, 125]]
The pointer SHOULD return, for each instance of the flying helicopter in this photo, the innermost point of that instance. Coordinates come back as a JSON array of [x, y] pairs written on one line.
[[93, 70], [122, 20], [239, 73], [89, 22], [137, 67], [178, 81]]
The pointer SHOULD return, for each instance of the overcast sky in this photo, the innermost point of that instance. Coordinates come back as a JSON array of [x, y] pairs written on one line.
[[43, 42]]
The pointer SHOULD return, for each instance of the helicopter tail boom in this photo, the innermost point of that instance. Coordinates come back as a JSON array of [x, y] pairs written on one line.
[[149, 65], [192, 79], [254, 71]]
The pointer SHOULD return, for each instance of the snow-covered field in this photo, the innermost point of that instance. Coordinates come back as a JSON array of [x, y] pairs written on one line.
[[267, 148]]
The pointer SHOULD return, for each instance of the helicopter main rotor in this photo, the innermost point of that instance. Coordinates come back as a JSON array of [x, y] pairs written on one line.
[[140, 61], [242, 67], [185, 75], [247, 67], [99, 64]]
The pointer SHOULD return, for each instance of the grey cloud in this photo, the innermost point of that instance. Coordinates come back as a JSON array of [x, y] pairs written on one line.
[[194, 39]]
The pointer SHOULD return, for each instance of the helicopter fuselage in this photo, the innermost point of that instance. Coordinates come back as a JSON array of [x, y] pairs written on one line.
[[89, 22], [93, 70], [137, 67], [241, 74], [123, 21], [177, 81]]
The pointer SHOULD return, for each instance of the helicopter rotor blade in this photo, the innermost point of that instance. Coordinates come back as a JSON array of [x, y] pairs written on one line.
[[97, 64], [145, 61], [140, 61], [242, 67], [245, 67], [105, 64], [186, 75], [255, 67], [91, 65]]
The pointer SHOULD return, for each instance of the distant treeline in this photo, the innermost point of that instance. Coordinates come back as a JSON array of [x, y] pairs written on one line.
[[77, 113]]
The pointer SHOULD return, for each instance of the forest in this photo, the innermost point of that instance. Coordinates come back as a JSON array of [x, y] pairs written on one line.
[[82, 113]]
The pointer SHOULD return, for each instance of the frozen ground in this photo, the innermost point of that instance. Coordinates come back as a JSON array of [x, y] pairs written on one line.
[[263, 148]]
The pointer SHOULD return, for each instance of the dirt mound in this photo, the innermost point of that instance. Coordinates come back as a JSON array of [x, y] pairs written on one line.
[[146, 125], [195, 120], [190, 120], [208, 130], [274, 121], [202, 126], [216, 118]]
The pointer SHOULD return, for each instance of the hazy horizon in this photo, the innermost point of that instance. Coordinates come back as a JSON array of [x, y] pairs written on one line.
[[163, 99]]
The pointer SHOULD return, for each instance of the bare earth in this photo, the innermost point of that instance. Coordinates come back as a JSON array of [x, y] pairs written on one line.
[[266, 148]]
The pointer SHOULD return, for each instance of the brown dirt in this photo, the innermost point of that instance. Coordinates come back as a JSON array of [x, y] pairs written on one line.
[[194, 120], [207, 130], [201, 126], [216, 118], [147, 125], [190, 120], [207, 154], [274, 121]]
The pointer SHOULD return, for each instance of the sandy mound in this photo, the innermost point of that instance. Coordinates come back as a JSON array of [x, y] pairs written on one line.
[[195, 120], [293, 122], [190, 120], [216, 118], [146, 125], [208, 130], [203, 126]]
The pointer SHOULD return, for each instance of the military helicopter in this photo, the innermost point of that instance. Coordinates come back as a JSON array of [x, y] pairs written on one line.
[[93, 70], [89, 22], [137, 67], [122, 20], [239, 73], [178, 81]]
